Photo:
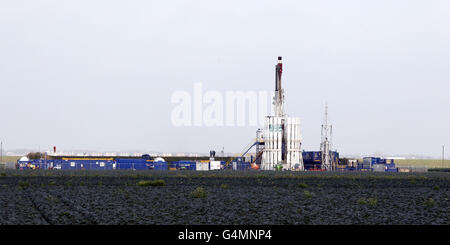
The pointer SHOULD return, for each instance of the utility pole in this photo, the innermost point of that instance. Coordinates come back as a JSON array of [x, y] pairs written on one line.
[[1, 152], [443, 155]]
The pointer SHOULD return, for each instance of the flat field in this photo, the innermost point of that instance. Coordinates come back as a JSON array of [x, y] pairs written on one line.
[[226, 197], [422, 163], [9, 159]]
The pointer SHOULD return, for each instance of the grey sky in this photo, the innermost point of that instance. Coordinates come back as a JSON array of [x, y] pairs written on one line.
[[99, 74]]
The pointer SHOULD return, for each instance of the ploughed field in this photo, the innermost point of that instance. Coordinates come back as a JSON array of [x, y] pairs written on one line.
[[224, 197]]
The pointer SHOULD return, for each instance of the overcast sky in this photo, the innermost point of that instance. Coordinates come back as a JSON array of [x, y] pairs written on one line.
[[99, 75]]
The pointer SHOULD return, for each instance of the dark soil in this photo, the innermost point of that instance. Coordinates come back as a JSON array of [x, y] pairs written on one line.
[[227, 197]]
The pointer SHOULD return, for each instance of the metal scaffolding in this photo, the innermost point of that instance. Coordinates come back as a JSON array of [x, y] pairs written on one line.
[[325, 145]]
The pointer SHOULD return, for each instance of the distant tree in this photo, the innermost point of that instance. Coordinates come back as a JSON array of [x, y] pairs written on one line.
[[34, 155]]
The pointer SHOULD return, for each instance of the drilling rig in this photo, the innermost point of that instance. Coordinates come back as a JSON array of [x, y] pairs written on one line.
[[281, 135]]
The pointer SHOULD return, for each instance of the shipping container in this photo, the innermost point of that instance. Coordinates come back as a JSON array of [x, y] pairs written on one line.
[[214, 165], [158, 166], [313, 159], [241, 165], [132, 164], [390, 166], [70, 165], [379, 168], [184, 165], [371, 160], [202, 166]]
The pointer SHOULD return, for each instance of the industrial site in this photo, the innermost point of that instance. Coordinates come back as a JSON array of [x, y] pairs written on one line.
[[273, 181], [277, 147]]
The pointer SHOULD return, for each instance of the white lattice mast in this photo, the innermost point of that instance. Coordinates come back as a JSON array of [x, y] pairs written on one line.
[[325, 145]]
